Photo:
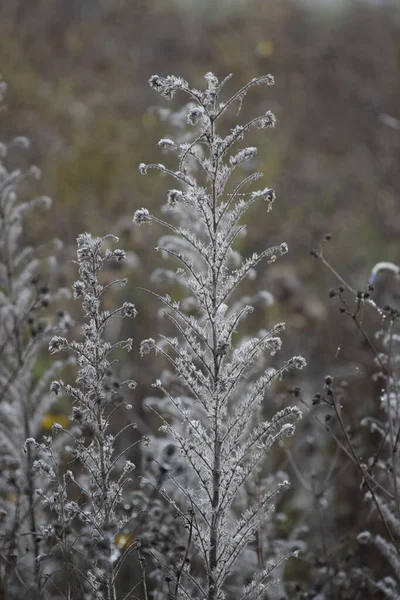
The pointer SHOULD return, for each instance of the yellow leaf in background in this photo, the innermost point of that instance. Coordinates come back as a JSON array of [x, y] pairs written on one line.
[[265, 49], [124, 540], [121, 540], [50, 418]]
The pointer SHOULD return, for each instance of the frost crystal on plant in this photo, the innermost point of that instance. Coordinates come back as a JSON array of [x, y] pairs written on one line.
[[87, 536], [215, 423], [141, 216], [26, 327]]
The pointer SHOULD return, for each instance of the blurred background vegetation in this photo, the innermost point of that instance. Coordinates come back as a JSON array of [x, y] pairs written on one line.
[[77, 73]]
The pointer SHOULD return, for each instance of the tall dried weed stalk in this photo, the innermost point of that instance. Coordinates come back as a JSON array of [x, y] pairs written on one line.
[[212, 410]]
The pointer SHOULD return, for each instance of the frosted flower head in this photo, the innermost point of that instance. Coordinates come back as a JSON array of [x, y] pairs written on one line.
[[119, 254], [173, 197], [298, 362], [268, 120], [91, 304], [275, 344], [265, 79], [29, 442], [166, 144], [147, 346], [270, 195], [279, 327], [84, 242], [167, 86], [42, 468], [141, 216], [195, 115], [267, 194], [129, 309], [55, 387], [129, 466], [57, 343], [78, 288], [211, 79]]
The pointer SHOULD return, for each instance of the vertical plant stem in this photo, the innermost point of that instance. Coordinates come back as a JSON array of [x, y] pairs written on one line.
[[216, 471]]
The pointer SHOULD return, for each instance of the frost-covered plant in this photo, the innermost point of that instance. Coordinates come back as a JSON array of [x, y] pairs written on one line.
[[380, 473], [24, 398], [213, 418], [86, 501], [384, 465]]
